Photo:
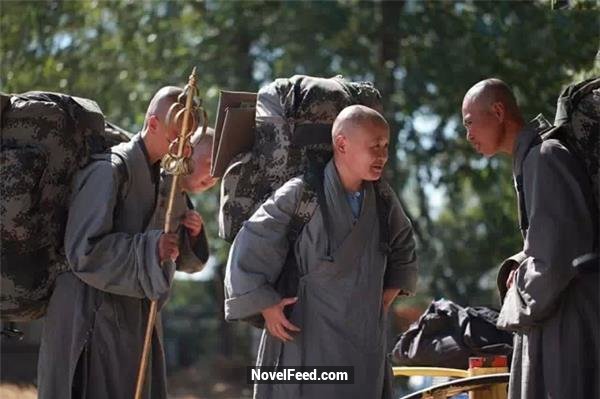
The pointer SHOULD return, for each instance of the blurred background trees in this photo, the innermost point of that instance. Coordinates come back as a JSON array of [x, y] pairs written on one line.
[[422, 55]]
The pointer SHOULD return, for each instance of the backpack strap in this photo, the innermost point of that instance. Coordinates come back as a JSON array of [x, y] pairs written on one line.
[[544, 133], [313, 194], [523, 218], [4, 102], [523, 221], [383, 200], [314, 187], [305, 210], [119, 161]]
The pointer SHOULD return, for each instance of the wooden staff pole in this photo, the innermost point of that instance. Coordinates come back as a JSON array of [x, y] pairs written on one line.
[[177, 171]]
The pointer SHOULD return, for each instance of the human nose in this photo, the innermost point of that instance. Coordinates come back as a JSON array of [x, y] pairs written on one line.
[[469, 135]]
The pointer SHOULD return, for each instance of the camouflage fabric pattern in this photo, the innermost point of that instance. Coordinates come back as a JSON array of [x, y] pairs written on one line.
[[307, 206], [304, 212], [583, 132], [293, 125], [46, 138]]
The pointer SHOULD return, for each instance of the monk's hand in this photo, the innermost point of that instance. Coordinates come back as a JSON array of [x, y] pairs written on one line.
[[193, 222], [389, 295], [275, 321], [168, 247]]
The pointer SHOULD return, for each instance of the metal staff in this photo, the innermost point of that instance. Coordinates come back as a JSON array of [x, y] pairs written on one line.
[[176, 162]]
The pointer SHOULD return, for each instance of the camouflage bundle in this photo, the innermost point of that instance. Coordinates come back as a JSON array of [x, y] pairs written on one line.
[[46, 138], [578, 123], [293, 129], [577, 127]]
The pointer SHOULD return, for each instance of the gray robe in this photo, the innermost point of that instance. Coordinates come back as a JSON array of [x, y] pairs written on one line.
[[554, 312], [97, 315], [339, 308]]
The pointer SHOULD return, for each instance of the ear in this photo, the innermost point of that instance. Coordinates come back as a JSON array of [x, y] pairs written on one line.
[[152, 124], [340, 143], [498, 110]]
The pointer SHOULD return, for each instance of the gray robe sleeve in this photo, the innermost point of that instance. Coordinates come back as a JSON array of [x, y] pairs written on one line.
[[258, 254], [560, 229], [192, 257], [401, 271], [115, 262]]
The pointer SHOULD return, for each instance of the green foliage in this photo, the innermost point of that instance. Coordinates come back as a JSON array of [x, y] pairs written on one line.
[[423, 55]]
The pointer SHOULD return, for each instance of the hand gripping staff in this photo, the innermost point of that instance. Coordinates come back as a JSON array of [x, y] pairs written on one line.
[[188, 114]]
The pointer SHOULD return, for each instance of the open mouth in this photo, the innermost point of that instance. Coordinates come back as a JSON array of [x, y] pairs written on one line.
[[377, 168]]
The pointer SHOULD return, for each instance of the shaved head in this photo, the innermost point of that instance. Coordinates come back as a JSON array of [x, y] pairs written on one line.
[[491, 117], [489, 91], [157, 133], [357, 116], [200, 179], [161, 102], [360, 138], [203, 143]]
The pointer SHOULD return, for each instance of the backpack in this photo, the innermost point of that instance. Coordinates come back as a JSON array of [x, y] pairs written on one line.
[[447, 334], [46, 138], [577, 127], [292, 131]]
